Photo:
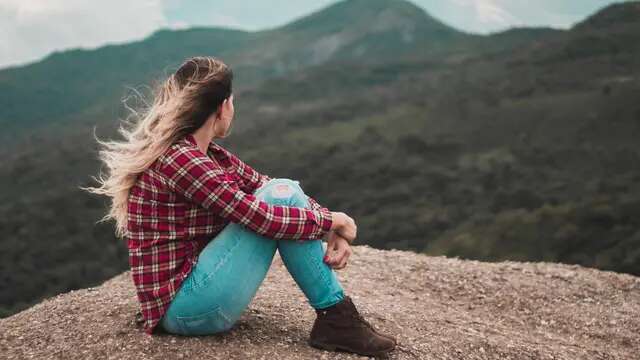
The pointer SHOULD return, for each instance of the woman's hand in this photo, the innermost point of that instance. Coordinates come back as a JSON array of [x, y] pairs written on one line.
[[338, 251], [344, 226]]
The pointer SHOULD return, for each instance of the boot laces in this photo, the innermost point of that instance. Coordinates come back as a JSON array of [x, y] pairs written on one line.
[[355, 314], [361, 319]]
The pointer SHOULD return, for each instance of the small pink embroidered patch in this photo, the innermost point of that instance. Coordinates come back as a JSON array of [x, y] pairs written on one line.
[[281, 190]]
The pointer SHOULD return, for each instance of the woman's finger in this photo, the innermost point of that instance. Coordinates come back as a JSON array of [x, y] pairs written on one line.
[[345, 259], [340, 255], [332, 256], [342, 263], [337, 256], [330, 252]]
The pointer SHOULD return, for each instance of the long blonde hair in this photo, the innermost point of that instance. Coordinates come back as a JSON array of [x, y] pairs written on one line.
[[182, 104]]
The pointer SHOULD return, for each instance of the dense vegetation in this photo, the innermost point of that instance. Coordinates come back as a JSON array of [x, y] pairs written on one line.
[[522, 145]]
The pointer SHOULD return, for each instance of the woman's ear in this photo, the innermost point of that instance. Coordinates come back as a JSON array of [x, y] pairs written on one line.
[[219, 110]]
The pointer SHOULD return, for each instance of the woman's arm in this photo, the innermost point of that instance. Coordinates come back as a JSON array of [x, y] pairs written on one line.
[[251, 179], [196, 177], [314, 204]]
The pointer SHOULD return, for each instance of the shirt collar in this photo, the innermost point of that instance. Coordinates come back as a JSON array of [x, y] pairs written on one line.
[[212, 145]]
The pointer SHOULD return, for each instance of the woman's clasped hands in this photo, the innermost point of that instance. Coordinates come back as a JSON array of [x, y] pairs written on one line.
[[342, 234]]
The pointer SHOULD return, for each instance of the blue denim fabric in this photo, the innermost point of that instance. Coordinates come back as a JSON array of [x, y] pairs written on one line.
[[233, 265]]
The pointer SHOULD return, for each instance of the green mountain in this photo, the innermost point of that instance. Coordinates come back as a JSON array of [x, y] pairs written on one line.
[[66, 85], [613, 16], [520, 145], [72, 86]]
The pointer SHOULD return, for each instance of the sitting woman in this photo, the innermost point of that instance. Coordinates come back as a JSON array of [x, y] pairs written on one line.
[[202, 226]]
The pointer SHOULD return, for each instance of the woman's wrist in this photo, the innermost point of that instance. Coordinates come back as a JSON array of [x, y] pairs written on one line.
[[336, 221]]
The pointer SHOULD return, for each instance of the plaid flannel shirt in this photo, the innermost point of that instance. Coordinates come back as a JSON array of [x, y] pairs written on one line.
[[182, 201]]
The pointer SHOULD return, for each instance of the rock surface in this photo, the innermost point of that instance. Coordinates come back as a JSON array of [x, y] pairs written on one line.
[[437, 307]]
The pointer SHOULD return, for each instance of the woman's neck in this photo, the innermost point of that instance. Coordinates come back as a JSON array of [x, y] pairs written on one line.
[[203, 137]]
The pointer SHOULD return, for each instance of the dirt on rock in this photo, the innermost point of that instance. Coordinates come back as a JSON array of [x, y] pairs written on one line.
[[437, 307]]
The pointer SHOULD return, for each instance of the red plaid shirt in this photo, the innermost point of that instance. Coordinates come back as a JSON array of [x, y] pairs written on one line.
[[183, 200]]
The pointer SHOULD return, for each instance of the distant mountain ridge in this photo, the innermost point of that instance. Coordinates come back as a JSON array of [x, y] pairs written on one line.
[[613, 15], [375, 30], [66, 85]]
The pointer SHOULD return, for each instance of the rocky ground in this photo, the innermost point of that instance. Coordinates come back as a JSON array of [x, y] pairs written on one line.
[[437, 307]]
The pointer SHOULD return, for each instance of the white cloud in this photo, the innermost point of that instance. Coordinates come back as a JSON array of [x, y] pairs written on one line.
[[207, 13], [487, 15], [30, 29], [491, 12]]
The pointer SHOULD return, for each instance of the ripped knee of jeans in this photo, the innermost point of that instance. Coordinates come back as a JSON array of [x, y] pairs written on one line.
[[283, 190]]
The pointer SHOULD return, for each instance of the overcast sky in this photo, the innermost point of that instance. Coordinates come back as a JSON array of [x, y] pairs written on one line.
[[31, 29]]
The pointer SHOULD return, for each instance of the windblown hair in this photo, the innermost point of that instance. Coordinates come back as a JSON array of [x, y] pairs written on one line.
[[182, 104]]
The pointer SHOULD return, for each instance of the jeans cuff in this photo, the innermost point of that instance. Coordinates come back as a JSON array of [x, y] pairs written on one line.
[[336, 298]]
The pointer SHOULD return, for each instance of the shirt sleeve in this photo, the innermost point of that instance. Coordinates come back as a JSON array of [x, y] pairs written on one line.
[[197, 177], [314, 204], [251, 179]]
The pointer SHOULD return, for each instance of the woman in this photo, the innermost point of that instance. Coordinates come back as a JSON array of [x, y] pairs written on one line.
[[202, 226]]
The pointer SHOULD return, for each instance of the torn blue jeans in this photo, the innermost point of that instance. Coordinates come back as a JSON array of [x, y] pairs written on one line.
[[232, 266]]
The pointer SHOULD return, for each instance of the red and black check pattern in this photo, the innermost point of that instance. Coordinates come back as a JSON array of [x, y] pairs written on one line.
[[182, 201]]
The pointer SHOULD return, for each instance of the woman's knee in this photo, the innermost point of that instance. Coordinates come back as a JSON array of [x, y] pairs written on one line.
[[283, 191]]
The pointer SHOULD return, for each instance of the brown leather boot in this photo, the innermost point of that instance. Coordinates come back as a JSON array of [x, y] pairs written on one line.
[[341, 327]]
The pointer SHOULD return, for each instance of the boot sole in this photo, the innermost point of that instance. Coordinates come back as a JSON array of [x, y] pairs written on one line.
[[333, 347]]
